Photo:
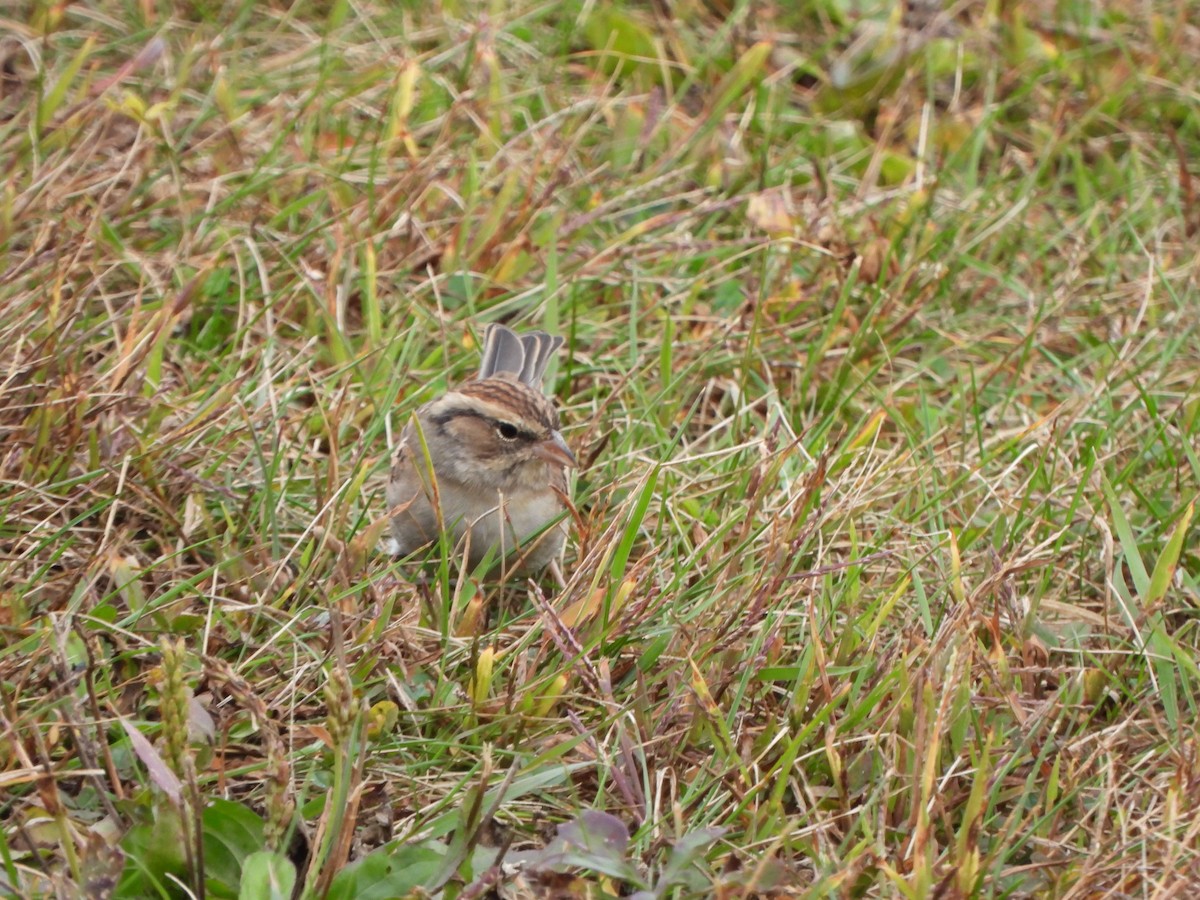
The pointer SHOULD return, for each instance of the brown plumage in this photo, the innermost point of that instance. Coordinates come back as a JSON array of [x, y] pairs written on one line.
[[486, 462]]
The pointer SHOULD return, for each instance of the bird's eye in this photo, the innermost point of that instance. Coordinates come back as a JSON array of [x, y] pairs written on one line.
[[507, 430]]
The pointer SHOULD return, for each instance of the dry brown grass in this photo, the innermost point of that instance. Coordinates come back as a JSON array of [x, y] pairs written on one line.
[[882, 357]]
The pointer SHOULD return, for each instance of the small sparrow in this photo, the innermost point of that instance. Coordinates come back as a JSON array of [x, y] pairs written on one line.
[[486, 462]]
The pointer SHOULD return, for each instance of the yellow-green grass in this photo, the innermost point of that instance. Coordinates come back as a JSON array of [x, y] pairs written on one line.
[[882, 355]]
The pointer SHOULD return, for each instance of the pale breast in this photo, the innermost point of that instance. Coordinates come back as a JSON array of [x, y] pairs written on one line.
[[510, 530], [526, 514]]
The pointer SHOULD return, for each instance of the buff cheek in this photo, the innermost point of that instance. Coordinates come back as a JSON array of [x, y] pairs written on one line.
[[473, 453]]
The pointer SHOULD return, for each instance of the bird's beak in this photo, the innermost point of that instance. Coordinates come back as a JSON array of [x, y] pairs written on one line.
[[555, 451]]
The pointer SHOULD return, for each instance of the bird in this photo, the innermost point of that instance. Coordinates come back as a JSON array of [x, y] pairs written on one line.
[[486, 463]]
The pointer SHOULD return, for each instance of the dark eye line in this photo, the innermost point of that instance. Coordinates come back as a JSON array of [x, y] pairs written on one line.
[[511, 432], [518, 432]]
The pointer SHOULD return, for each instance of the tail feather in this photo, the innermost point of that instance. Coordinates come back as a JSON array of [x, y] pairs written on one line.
[[502, 352], [539, 350], [525, 357]]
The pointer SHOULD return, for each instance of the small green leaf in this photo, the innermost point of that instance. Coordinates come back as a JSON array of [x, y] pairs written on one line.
[[595, 840], [1164, 568], [267, 876], [621, 556], [389, 872], [745, 72], [232, 834], [54, 98], [1133, 558], [153, 853], [689, 848], [626, 46]]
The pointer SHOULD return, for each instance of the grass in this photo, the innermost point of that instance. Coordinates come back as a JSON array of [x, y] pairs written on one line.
[[882, 358]]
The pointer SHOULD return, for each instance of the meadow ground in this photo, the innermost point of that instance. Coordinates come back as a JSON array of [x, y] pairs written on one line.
[[882, 361]]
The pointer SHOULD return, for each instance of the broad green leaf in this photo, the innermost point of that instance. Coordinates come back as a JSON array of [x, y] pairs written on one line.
[[267, 876], [232, 833], [389, 872]]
